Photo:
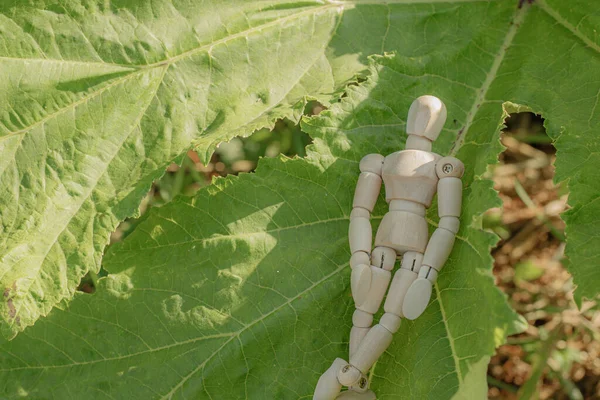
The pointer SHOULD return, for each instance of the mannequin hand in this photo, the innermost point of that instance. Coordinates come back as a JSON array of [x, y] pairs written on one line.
[[419, 293]]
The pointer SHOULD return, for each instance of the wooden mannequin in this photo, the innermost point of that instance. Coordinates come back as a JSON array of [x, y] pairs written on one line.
[[411, 177]]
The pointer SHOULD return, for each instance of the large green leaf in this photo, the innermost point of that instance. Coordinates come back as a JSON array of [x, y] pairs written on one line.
[[242, 291], [97, 98]]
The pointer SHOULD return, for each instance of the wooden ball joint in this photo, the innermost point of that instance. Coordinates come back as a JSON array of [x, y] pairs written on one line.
[[411, 177]]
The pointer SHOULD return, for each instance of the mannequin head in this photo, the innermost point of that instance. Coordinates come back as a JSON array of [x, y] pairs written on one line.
[[426, 118]]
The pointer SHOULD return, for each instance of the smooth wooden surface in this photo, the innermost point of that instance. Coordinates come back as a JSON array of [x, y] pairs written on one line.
[[402, 231], [380, 280], [383, 257], [438, 248], [367, 190], [371, 163], [360, 235], [449, 197], [426, 117], [410, 175], [371, 348], [402, 280]]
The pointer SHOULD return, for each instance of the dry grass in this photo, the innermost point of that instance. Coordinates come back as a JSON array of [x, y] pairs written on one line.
[[557, 356]]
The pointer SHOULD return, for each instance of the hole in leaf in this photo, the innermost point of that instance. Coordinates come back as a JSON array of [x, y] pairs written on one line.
[[238, 155], [233, 157], [528, 261], [89, 281], [242, 154]]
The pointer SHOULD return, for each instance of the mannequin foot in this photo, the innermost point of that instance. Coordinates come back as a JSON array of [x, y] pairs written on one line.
[[329, 386], [342, 374], [349, 375]]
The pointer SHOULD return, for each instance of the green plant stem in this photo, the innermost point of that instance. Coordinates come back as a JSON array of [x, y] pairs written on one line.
[[567, 386], [530, 389], [502, 385], [94, 277], [522, 340]]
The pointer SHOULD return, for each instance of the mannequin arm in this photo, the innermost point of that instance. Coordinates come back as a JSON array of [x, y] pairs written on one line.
[[360, 232], [449, 170]]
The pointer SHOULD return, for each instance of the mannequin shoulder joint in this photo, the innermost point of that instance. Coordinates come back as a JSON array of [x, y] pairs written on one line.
[[372, 163], [449, 167]]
